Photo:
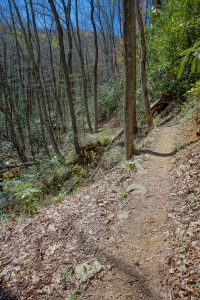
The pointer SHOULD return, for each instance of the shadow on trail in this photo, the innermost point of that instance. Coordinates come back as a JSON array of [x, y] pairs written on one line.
[[151, 152], [148, 151], [5, 294], [167, 120], [136, 283]]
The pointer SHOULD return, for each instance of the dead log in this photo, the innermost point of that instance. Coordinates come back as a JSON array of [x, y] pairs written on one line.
[[161, 104], [26, 164], [96, 162], [95, 165], [115, 138]]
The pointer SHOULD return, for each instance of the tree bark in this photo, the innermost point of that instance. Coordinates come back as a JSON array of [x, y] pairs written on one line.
[[130, 75], [83, 73], [95, 71], [13, 117], [67, 12], [143, 66], [36, 64], [40, 80], [66, 74]]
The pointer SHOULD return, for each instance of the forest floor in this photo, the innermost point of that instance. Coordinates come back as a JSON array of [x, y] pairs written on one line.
[[113, 239]]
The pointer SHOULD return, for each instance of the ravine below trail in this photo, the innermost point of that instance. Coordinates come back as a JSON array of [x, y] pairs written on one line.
[[120, 221]]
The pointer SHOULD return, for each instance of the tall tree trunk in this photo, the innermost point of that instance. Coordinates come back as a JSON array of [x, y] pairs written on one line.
[[66, 74], [118, 2], [14, 118], [105, 47], [130, 74], [143, 66], [95, 71], [28, 115], [55, 92], [36, 64], [42, 123], [40, 80], [83, 73], [67, 12]]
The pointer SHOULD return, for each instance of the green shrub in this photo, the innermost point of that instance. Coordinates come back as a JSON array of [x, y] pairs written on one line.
[[66, 277], [72, 297], [28, 191], [112, 157], [26, 194], [78, 172], [194, 91], [110, 96], [191, 56], [180, 30], [40, 185]]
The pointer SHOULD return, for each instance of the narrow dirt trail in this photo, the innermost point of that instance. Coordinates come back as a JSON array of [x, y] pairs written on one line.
[[140, 257], [127, 236]]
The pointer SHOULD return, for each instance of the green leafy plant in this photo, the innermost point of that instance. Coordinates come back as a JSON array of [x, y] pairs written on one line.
[[197, 286], [180, 32], [110, 96], [66, 277], [2, 215], [60, 197], [182, 248], [191, 56], [130, 166], [194, 92], [122, 195], [111, 157], [85, 270], [72, 296], [79, 172], [26, 193], [194, 201]]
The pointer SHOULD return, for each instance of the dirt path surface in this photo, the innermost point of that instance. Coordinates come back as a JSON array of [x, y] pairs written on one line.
[[140, 255], [119, 221]]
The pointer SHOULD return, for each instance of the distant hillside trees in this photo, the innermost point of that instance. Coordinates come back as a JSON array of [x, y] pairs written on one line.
[[53, 58]]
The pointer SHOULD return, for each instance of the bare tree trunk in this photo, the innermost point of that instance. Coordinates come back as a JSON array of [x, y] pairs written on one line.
[[130, 73], [28, 114], [105, 42], [13, 115], [67, 12], [36, 64], [42, 124], [42, 86], [83, 73], [143, 66], [66, 74], [95, 71], [58, 105]]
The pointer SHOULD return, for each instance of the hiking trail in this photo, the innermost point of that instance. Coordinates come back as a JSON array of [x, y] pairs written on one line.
[[128, 236]]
